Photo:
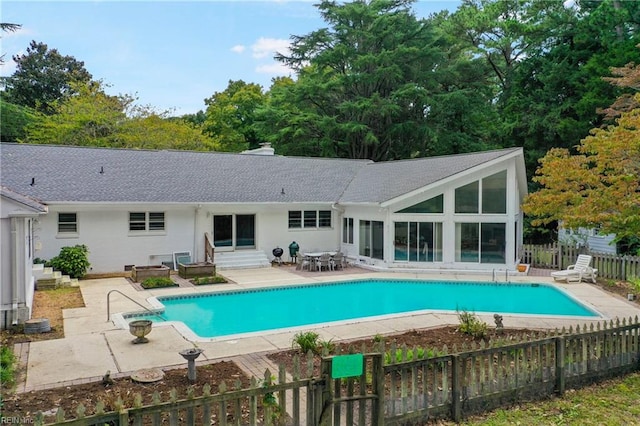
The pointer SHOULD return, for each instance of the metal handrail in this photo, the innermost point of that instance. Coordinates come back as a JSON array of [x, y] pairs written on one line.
[[143, 307]]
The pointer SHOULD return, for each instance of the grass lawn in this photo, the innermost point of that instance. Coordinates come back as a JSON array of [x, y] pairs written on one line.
[[614, 402], [49, 304]]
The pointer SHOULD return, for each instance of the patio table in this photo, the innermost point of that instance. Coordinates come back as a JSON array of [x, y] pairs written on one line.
[[315, 256]]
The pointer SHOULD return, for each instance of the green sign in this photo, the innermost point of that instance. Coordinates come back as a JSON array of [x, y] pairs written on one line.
[[346, 366]]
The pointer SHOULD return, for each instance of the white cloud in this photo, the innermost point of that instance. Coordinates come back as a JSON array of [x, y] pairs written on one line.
[[268, 46], [273, 69], [238, 48]]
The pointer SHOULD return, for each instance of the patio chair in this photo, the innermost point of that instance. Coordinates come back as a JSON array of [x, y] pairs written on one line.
[[578, 271], [323, 262], [337, 261], [303, 262]]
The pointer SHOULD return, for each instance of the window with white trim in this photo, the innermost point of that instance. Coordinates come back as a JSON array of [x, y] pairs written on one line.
[[309, 219], [146, 221], [67, 223]]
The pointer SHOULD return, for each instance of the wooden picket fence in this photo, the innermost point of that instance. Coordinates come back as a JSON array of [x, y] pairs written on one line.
[[556, 256], [401, 385]]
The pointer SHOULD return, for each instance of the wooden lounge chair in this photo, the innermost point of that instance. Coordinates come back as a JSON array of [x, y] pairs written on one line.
[[578, 271]]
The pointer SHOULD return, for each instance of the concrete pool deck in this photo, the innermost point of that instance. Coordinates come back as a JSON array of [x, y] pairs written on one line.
[[94, 345]]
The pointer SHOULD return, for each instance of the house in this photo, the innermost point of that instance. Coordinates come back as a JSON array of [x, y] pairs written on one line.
[[17, 216], [589, 238], [138, 207]]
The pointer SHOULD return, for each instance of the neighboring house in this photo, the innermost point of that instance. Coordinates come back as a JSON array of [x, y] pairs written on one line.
[[136, 207], [588, 238], [17, 216]]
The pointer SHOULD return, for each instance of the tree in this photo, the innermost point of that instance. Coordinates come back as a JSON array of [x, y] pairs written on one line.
[[7, 27], [599, 186], [42, 77], [90, 117], [557, 90], [365, 84], [230, 116], [13, 120]]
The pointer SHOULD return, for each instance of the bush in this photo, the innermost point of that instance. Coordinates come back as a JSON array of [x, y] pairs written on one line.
[[215, 279], [157, 282], [470, 324], [307, 341], [7, 366], [72, 261], [416, 353]]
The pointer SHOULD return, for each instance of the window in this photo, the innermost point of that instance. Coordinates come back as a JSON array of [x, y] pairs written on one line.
[[324, 218], [480, 242], [418, 241], [143, 221], [309, 219], [467, 198], [371, 239], [491, 191], [494, 193], [347, 230], [295, 219], [432, 205], [67, 223]]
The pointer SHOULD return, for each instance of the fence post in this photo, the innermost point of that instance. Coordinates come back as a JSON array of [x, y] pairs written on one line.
[[560, 355], [456, 409], [324, 408], [377, 415]]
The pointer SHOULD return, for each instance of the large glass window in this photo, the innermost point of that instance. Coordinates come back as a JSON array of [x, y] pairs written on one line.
[[418, 241], [480, 242], [67, 223], [347, 230], [467, 242], [493, 241], [467, 198], [432, 205], [494, 193], [371, 239]]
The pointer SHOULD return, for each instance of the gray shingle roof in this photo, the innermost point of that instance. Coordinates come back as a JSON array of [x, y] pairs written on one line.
[[380, 182], [73, 174], [35, 205]]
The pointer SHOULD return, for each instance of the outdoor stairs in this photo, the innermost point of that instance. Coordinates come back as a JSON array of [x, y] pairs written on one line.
[[241, 259], [47, 279]]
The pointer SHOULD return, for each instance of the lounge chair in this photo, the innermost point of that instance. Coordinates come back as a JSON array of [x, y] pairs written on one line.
[[577, 272]]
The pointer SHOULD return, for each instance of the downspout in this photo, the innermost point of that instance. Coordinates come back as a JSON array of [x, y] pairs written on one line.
[[14, 270]]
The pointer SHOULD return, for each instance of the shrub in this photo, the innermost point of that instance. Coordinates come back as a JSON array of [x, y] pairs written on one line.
[[7, 366], [635, 283], [39, 261], [72, 261], [215, 279], [157, 282], [307, 341], [470, 324], [418, 353]]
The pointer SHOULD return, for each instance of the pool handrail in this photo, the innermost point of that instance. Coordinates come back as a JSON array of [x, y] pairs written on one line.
[[143, 307]]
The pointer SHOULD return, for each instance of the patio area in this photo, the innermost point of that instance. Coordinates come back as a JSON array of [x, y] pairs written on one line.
[[94, 345]]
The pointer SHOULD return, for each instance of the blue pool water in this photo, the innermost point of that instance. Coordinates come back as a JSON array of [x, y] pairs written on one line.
[[226, 313]]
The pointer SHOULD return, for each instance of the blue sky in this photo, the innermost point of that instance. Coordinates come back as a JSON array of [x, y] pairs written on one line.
[[171, 55]]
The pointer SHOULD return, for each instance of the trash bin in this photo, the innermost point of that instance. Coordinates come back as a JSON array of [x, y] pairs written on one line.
[[293, 251]]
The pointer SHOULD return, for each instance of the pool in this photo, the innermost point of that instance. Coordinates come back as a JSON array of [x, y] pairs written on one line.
[[213, 315]]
